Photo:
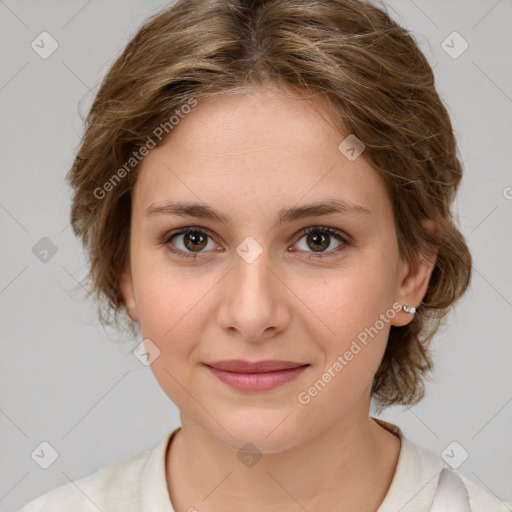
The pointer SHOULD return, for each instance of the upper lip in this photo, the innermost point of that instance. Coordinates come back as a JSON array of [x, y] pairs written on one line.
[[241, 366]]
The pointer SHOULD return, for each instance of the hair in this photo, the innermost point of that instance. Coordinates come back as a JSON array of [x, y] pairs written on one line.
[[378, 86]]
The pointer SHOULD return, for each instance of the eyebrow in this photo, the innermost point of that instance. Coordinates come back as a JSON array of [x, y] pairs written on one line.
[[203, 211]]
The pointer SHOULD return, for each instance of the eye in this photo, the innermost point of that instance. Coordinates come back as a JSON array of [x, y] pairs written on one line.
[[319, 238], [193, 240]]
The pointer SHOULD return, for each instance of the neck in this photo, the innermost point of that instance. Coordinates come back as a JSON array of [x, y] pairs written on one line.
[[352, 462]]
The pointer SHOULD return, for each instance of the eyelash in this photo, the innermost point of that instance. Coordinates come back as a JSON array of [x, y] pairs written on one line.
[[338, 235]]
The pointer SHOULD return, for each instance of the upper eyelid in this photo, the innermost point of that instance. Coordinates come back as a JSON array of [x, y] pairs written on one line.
[[183, 231]]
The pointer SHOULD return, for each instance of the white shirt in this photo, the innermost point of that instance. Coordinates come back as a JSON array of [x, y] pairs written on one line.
[[139, 484]]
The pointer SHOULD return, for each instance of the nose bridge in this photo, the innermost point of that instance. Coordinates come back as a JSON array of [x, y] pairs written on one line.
[[253, 304], [252, 276]]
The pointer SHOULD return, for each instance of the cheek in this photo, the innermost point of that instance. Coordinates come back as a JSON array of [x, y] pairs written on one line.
[[351, 322], [174, 311], [170, 300], [345, 304], [352, 348], [172, 319]]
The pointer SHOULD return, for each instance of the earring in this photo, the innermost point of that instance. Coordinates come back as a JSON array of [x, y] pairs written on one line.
[[410, 309]]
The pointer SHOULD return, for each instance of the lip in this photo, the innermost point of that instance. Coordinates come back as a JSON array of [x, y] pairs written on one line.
[[258, 376], [241, 366]]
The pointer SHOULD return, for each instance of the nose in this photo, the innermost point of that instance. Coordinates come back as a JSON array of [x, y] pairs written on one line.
[[254, 301]]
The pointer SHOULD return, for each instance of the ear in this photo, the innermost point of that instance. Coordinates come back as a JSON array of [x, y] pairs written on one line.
[[127, 291], [413, 279]]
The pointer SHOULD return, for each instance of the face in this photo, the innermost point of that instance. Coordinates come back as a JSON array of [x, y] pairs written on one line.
[[269, 279]]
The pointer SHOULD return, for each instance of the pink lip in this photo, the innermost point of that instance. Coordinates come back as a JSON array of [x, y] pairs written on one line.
[[260, 376]]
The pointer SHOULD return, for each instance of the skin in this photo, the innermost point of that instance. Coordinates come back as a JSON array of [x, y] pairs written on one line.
[[249, 155]]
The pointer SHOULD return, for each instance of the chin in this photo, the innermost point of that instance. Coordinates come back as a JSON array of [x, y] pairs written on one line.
[[265, 434]]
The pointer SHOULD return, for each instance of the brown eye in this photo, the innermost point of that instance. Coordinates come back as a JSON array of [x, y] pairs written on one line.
[[188, 242], [194, 241], [318, 240]]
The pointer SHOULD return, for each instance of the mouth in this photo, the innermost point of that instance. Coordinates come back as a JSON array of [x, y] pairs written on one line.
[[258, 376]]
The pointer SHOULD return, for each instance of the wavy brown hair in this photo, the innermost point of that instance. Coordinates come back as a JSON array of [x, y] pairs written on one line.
[[377, 84]]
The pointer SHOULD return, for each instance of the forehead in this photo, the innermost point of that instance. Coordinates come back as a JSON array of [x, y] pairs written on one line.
[[260, 150]]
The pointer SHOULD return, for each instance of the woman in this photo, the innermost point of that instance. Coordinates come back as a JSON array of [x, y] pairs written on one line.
[[264, 188]]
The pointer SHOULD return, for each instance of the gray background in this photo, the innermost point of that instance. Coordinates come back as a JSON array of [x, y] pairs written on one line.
[[68, 381]]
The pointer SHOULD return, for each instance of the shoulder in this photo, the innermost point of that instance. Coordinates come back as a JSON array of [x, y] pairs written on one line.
[[417, 480], [112, 485], [482, 501], [479, 499], [106, 489]]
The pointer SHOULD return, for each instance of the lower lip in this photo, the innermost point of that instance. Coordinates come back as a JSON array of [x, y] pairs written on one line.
[[257, 381]]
